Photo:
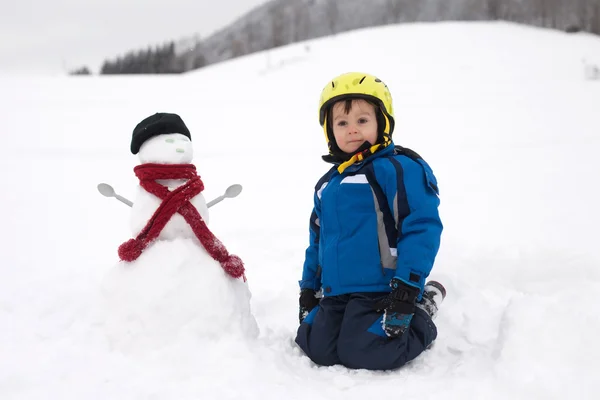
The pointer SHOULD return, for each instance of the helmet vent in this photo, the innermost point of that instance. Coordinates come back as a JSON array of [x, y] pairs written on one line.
[[361, 81], [333, 85]]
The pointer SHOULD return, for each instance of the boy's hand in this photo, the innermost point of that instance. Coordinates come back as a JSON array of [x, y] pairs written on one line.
[[399, 307], [308, 301]]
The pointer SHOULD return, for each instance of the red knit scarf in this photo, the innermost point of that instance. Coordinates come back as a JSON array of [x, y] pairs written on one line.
[[177, 201]]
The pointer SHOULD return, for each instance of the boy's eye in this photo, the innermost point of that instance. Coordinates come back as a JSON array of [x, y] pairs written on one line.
[[363, 120], [342, 123]]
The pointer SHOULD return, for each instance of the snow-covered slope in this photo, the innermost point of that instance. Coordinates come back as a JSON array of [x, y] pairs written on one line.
[[503, 113]]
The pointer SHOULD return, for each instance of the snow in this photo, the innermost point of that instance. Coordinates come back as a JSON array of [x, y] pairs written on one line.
[[174, 293], [507, 117]]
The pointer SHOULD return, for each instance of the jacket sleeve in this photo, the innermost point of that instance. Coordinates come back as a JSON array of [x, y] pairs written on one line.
[[418, 221], [311, 272]]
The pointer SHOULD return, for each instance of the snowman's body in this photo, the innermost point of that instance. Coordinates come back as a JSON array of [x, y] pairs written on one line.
[[174, 293], [165, 149]]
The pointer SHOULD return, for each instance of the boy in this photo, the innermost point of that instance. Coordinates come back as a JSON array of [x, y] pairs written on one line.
[[374, 235]]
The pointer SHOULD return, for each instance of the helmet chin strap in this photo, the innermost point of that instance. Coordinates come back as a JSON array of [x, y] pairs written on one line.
[[340, 156], [364, 151], [365, 146], [360, 155]]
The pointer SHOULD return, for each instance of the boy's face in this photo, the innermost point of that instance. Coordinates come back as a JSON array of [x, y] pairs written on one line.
[[351, 130]]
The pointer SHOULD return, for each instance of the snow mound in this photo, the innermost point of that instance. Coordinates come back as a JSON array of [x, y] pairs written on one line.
[[173, 292]]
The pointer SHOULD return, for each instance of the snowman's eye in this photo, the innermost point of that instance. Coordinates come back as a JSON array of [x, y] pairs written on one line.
[[184, 139], [170, 140]]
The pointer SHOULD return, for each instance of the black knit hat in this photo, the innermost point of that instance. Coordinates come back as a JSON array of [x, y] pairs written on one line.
[[155, 125]]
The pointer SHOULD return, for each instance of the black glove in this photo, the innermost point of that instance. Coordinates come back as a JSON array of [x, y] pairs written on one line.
[[308, 301], [398, 306]]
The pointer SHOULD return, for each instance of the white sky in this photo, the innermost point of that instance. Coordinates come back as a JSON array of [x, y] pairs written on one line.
[[54, 36]]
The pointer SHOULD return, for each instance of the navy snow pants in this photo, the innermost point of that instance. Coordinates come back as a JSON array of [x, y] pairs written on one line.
[[347, 330]]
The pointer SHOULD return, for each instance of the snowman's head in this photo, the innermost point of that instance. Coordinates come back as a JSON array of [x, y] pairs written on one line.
[[169, 148], [174, 145]]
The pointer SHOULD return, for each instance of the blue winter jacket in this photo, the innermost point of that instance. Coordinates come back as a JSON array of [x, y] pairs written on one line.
[[375, 221]]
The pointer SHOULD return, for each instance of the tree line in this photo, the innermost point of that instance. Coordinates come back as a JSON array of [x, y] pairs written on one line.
[[282, 22]]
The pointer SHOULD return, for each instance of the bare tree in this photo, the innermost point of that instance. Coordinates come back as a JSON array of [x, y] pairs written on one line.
[[332, 13], [300, 16], [595, 21], [278, 25], [493, 9], [250, 36], [394, 10], [581, 15], [198, 58], [540, 9], [237, 46], [443, 10]]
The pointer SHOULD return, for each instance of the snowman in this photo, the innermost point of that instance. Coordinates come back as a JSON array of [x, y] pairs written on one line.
[[164, 150], [177, 279]]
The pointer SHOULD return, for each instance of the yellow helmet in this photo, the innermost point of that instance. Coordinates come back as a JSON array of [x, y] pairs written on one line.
[[358, 85]]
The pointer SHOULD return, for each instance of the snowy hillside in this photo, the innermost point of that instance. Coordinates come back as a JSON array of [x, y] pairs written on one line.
[[503, 113]]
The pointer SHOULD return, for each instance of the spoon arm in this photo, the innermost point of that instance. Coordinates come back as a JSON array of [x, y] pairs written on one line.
[[215, 201], [123, 200]]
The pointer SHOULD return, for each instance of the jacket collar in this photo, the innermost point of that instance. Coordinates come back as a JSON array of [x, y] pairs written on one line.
[[359, 159]]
